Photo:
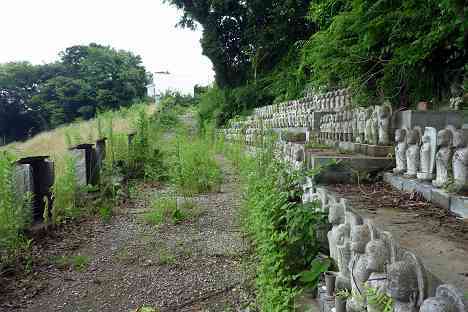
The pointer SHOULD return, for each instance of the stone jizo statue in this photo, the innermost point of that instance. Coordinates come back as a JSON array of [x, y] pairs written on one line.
[[460, 161], [400, 151], [412, 153], [427, 155], [406, 283], [443, 158], [447, 299], [385, 115]]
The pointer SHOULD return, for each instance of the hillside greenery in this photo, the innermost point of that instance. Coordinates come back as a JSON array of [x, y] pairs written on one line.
[[263, 52], [84, 81]]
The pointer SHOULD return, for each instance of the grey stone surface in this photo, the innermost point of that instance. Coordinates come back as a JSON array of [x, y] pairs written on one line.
[[24, 179], [439, 120], [393, 180], [425, 190], [409, 185], [427, 154], [79, 156], [447, 299], [459, 206], [441, 198]]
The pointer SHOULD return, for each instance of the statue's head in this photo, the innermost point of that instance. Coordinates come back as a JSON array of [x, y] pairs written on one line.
[[460, 139], [438, 304], [444, 137], [426, 139], [378, 255], [335, 213], [342, 233], [412, 136], [402, 281], [400, 135], [360, 236]]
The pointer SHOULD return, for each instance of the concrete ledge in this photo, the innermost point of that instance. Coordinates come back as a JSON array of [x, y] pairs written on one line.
[[455, 203]]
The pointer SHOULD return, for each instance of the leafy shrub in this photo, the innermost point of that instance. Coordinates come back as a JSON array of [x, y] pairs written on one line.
[[15, 212], [65, 191], [283, 230]]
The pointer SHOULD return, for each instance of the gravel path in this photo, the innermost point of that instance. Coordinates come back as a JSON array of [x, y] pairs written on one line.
[[192, 266]]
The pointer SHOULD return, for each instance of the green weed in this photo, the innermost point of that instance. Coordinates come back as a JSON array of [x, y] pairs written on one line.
[[167, 209], [77, 262]]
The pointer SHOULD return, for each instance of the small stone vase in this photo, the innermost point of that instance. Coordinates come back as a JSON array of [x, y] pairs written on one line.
[[340, 304], [330, 278]]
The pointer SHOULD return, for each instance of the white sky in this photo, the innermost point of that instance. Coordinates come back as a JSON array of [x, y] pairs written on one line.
[[36, 30]]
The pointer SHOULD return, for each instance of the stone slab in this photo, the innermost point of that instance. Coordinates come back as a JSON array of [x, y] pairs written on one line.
[[440, 198], [455, 203], [439, 120], [345, 167], [459, 206], [378, 150]]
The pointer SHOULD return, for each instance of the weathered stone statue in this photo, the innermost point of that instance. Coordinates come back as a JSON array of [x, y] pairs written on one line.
[[400, 151], [443, 158], [369, 130], [460, 161], [380, 252], [406, 283], [447, 299], [336, 216], [427, 155], [385, 115], [362, 125], [355, 125], [412, 153], [360, 236]]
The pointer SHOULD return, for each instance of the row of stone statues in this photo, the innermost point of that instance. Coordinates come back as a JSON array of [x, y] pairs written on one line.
[[437, 156], [360, 125], [327, 102], [367, 257]]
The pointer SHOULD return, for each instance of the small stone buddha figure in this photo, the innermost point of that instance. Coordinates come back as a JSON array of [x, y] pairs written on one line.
[[379, 254], [412, 153], [375, 126], [362, 125], [343, 248], [406, 283], [443, 159], [349, 126], [385, 115], [360, 236], [447, 299], [336, 216], [369, 132], [355, 125], [427, 155], [400, 151], [460, 161]]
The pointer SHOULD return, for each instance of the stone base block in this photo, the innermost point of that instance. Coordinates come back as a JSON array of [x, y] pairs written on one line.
[[455, 203], [378, 150], [459, 206], [425, 176]]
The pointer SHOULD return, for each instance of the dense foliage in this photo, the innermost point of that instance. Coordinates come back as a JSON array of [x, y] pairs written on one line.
[[284, 231], [85, 80], [266, 51]]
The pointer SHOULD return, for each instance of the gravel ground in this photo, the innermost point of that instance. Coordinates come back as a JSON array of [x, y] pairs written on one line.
[[197, 265]]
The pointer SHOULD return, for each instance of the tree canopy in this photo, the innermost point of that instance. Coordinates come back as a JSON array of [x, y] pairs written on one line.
[[84, 80], [265, 51]]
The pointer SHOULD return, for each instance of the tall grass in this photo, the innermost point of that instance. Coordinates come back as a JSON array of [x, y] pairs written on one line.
[[15, 211], [193, 166]]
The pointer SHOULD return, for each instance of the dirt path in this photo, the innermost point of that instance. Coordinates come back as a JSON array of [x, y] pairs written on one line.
[[192, 266]]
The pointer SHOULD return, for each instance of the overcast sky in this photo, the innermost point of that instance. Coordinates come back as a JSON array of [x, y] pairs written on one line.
[[36, 30]]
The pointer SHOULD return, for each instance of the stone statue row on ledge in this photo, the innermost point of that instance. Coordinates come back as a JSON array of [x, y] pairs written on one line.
[[368, 257], [360, 125], [437, 156], [328, 102]]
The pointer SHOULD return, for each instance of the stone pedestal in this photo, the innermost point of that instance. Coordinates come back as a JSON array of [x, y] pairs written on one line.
[[87, 168], [378, 150], [42, 171]]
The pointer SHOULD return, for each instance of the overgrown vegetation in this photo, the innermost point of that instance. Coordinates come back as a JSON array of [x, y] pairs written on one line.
[[263, 52], [283, 230], [169, 209]]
